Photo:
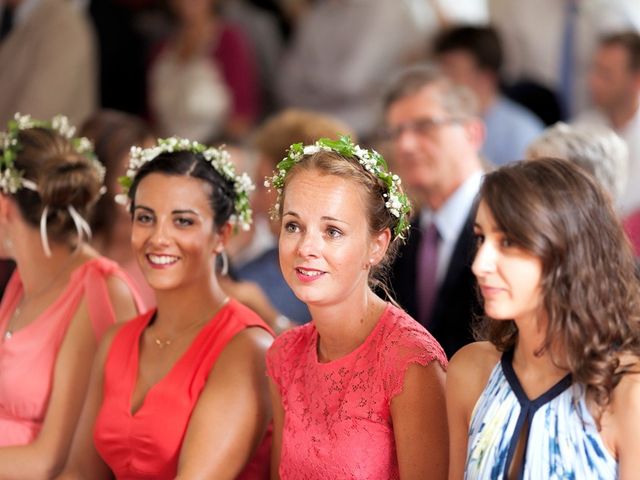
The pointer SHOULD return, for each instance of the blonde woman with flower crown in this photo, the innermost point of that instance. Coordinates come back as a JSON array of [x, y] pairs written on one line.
[[180, 391], [359, 391], [61, 299]]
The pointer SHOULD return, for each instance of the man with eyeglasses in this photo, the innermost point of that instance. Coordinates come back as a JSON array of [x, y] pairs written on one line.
[[434, 135]]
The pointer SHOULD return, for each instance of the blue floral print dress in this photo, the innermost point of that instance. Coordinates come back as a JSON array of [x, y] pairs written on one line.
[[562, 441]]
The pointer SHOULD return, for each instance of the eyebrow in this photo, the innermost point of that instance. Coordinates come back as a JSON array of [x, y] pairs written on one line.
[[476, 225], [324, 218], [174, 212]]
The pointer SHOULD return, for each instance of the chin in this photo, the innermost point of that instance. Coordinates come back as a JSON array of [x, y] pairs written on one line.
[[497, 314]]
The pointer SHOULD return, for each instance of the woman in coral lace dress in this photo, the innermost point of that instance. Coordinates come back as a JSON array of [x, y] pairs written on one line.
[[180, 391], [359, 391], [61, 299]]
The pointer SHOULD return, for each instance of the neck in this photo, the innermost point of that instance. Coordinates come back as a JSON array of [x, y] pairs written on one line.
[[435, 198], [201, 300], [344, 327], [487, 96], [624, 113], [37, 271], [531, 337]]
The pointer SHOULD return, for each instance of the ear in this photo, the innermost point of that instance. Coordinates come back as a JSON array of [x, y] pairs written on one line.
[[7, 208], [378, 246], [222, 238], [475, 131]]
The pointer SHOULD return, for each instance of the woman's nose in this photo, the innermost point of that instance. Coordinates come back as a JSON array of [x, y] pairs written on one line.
[[485, 260]]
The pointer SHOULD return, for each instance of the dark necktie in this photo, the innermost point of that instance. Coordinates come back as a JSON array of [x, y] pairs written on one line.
[[427, 287]]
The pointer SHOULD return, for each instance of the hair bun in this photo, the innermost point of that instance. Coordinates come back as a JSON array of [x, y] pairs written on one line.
[[69, 180]]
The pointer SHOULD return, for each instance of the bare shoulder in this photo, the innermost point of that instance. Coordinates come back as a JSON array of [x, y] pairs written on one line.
[[117, 287], [247, 343], [624, 417], [626, 395], [467, 375], [478, 358]]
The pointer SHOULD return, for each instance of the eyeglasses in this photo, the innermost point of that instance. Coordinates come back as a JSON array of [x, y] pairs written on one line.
[[424, 126]]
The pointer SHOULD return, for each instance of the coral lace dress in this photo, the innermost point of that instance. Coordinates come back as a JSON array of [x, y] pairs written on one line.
[[28, 358], [337, 417], [146, 444]]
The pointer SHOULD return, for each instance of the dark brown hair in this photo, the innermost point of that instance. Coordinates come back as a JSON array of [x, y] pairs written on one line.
[[482, 43], [222, 195], [590, 294], [378, 216], [113, 133], [63, 176]]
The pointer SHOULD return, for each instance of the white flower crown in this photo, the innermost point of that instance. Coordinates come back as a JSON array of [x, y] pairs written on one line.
[[396, 200], [12, 179], [218, 158]]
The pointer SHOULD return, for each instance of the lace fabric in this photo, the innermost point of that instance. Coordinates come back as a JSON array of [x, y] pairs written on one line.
[[337, 415]]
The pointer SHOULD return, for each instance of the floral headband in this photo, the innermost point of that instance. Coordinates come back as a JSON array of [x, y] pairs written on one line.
[[219, 159], [12, 179], [396, 200]]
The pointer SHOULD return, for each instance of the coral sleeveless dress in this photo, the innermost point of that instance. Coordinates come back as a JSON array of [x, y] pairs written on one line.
[[337, 415], [146, 444], [28, 358]]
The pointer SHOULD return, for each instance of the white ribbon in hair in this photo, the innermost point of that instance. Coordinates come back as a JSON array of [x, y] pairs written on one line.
[[29, 185], [82, 228]]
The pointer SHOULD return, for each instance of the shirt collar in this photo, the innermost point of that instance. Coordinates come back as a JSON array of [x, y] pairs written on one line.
[[453, 214]]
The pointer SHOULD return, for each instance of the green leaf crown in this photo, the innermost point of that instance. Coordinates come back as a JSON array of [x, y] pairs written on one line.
[[396, 200], [218, 158], [12, 179]]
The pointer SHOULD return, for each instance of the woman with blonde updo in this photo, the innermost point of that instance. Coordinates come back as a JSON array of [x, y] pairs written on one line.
[[61, 299]]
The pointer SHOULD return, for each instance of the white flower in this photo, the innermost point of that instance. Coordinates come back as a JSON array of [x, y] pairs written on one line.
[[61, 124], [310, 149]]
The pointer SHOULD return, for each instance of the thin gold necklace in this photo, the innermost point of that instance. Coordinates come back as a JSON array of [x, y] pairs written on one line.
[[9, 331], [162, 344]]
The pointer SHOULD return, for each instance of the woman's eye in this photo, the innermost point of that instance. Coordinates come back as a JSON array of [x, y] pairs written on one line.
[[506, 242], [183, 222], [291, 227], [478, 239], [334, 232], [143, 218]]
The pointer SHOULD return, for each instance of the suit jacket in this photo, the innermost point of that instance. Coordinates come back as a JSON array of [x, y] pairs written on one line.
[[457, 302], [48, 65]]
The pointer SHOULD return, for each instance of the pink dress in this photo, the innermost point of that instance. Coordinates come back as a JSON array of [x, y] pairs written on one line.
[[337, 417], [632, 228], [28, 358]]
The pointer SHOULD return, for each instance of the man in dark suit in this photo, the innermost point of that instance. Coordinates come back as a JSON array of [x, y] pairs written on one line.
[[434, 136]]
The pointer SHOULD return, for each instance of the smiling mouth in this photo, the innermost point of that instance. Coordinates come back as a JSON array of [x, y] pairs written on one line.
[[310, 274], [162, 260]]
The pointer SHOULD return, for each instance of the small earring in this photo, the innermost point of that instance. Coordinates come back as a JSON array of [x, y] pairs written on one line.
[[224, 269]]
